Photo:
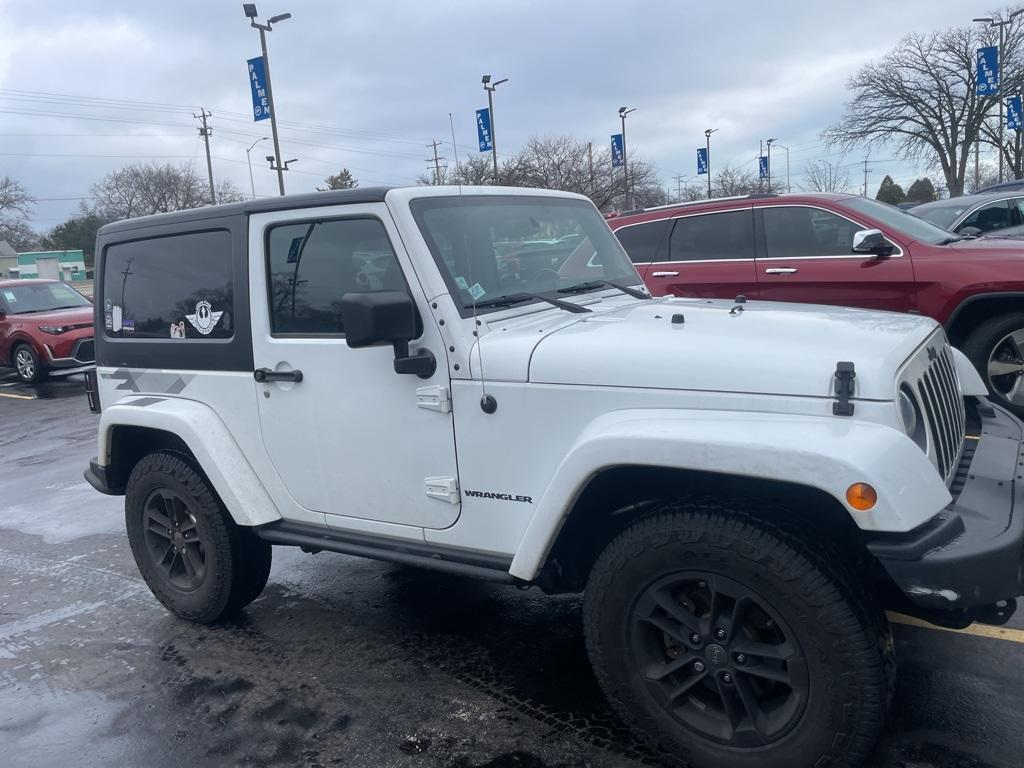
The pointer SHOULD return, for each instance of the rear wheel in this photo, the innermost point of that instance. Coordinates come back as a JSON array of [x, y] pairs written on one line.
[[27, 364], [194, 558], [725, 641], [996, 347]]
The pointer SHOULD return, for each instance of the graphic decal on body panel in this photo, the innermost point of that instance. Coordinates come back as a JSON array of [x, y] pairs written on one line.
[[204, 318], [149, 381]]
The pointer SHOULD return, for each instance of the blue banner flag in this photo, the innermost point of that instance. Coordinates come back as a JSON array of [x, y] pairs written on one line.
[[702, 160], [987, 74], [483, 129], [1013, 109], [258, 83], [617, 152], [763, 167]]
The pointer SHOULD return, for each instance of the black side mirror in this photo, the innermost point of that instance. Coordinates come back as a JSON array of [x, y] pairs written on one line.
[[873, 242], [970, 232], [387, 317]]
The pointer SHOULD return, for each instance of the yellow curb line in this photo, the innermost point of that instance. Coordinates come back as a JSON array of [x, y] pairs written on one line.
[[978, 630], [18, 397]]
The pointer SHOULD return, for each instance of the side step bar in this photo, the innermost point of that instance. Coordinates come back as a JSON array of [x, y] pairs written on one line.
[[313, 538]]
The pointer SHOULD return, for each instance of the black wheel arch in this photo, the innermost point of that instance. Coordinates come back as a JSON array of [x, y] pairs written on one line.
[[130, 443], [975, 309], [616, 497]]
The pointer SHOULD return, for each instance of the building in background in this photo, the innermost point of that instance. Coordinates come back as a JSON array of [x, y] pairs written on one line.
[[67, 266], [8, 260]]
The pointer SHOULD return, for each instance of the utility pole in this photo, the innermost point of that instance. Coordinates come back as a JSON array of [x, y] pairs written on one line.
[[769, 143], [205, 132], [977, 164], [760, 154], [707, 147], [623, 111], [250, 13], [436, 160], [678, 179], [590, 163], [865, 192], [489, 87]]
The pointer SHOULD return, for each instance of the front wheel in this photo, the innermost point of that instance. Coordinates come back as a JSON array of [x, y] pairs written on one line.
[[724, 641], [996, 347], [194, 558], [27, 364]]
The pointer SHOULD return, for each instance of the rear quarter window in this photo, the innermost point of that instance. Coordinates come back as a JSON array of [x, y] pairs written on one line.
[[647, 242], [177, 286]]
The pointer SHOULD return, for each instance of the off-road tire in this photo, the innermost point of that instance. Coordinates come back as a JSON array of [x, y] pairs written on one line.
[[38, 372], [981, 342], [846, 643], [237, 563]]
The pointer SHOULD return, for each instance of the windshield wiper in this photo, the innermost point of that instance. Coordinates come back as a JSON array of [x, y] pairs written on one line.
[[70, 306], [516, 298], [950, 240], [592, 284]]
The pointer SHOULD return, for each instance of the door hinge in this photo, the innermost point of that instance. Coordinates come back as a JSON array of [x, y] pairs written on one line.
[[443, 488], [434, 399]]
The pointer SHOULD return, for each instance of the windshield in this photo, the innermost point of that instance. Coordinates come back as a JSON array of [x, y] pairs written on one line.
[[40, 297], [489, 247], [942, 215], [903, 222]]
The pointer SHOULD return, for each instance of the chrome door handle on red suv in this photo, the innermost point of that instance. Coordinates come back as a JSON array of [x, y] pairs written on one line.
[[664, 274], [781, 271]]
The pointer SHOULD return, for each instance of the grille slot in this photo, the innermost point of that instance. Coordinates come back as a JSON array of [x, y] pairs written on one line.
[[85, 351], [944, 407]]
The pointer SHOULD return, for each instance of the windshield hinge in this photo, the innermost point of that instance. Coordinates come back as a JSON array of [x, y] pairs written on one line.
[[434, 398], [845, 374], [443, 488]]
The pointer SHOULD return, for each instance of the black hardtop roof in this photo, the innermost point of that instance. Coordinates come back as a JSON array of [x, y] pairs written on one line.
[[305, 200]]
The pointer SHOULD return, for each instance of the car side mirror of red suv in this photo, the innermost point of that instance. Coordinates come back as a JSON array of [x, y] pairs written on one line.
[[873, 242]]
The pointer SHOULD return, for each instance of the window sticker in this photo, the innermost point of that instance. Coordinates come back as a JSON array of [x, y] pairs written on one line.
[[477, 291], [108, 320], [461, 282], [9, 295], [128, 326], [178, 330], [205, 318], [116, 319]]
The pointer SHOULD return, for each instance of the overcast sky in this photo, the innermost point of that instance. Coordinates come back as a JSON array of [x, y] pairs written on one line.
[[372, 83]]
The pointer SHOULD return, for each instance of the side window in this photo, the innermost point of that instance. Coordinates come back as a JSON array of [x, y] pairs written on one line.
[[1017, 211], [714, 236], [180, 286], [311, 265], [988, 218], [799, 231], [646, 242]]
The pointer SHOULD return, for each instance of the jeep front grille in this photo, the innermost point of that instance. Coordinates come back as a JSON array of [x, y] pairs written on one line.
[[944, 408]]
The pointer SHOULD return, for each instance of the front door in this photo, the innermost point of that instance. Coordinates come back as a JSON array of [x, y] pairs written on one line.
[[806, 255], [349, 438]]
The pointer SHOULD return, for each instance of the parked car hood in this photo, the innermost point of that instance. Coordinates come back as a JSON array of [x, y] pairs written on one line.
[[76, 316], [767, 348]]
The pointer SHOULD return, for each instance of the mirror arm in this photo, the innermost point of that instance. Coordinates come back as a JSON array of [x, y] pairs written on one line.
[[422, 364]]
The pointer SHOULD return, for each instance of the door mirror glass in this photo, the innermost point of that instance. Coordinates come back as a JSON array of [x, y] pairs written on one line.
[[871, 241], [378, 317], [969, 231]]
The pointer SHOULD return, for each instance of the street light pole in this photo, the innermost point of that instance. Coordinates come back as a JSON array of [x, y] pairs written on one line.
[[489, 87], [250, 13], [248, 159], [1002, 24], [623, 111], [707, 149], [769, 142]]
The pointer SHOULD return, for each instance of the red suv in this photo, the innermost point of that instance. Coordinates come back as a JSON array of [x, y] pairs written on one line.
[[44, 325], [846, 250]]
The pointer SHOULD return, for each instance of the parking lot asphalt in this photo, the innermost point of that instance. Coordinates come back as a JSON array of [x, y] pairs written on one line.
[[345, 661]]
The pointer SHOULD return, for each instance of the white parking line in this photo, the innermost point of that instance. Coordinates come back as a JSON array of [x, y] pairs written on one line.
[[978, 630], [17, 397]]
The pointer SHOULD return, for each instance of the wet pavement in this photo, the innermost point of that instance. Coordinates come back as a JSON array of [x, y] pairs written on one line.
[[344, 661]]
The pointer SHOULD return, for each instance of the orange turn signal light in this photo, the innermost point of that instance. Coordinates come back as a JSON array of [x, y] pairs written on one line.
[[861, 496]]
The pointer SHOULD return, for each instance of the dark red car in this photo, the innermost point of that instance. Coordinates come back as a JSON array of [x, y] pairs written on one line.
[[44, 325], [846, 250]]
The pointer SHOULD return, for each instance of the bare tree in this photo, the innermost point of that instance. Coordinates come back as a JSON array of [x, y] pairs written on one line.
[[920, 99], [143, 189], [826, 176], [16, 206]]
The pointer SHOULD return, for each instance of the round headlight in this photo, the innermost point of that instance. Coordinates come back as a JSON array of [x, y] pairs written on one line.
[[908, 413]]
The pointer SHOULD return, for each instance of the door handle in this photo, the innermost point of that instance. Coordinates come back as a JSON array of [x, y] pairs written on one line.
[[664, 274], [265, 374], [781, 271]]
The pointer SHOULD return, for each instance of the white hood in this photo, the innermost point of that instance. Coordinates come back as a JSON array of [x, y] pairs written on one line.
[[768, 348]]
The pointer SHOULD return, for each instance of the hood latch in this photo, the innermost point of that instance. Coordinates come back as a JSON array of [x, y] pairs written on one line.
[[845, 374]]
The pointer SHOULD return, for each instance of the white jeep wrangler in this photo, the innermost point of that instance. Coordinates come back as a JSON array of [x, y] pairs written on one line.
[[475, 381]]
